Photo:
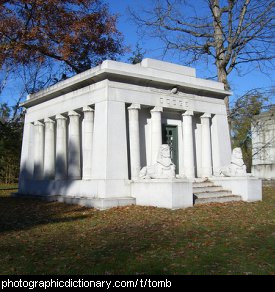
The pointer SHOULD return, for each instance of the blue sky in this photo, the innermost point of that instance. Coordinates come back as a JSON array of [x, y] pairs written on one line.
[[239, 84]]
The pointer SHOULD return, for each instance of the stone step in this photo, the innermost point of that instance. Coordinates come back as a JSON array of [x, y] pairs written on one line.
[[213, 194], [200, 180], [203, 184], [232, 198], [207, 189], [207, 192]]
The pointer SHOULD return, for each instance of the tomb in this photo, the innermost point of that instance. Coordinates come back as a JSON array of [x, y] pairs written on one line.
[[121, 134]]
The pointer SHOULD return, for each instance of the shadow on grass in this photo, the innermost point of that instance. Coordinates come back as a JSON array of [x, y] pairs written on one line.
[[24, 213], [126, 246], [228, 238]]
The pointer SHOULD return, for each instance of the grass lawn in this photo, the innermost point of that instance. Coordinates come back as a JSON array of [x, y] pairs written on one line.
[[39, 237]]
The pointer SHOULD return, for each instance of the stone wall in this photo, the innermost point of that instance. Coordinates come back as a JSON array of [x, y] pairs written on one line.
[[263, 145]]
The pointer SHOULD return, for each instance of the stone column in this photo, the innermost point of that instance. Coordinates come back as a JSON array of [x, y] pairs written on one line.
[[74, 166], [27, 158], [188, 147], [61, 147], [87, 142], [220, 140], [206, 163], [134, 139], [49, 150], [156, 133], [38, 150], [110, 160]]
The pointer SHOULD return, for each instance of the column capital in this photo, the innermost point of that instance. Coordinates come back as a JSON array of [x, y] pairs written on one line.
[[38, 123], [87, 109], [188, 113], [60, 117], [48, 121], [134, 106], [73, 113], [206, 115], [156, 109]]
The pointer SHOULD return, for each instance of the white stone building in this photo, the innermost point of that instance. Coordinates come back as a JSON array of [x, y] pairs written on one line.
[[86, 138], [263, 145]]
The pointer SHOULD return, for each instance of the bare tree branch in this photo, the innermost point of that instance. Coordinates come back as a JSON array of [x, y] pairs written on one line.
[[229, 32]]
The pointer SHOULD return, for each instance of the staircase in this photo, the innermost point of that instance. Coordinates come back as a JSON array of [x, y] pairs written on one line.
[[205, 192]]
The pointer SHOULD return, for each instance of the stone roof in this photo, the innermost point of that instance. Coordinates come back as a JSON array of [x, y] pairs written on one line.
[[149, 72]]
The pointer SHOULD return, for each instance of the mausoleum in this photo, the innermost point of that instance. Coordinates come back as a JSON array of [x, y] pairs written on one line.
[[263, 144], [119, 134]]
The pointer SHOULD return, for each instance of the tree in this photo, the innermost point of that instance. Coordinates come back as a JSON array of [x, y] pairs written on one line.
[[138, 55], [243, 110], [77, 33], [11, 128], [4, 78], [36, 76], [229, 33]]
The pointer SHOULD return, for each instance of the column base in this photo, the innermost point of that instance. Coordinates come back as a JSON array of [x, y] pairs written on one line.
[[93, 188], [90, 202]]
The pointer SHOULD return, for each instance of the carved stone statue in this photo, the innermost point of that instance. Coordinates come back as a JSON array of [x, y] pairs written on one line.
[[237, 166], [163, 168]]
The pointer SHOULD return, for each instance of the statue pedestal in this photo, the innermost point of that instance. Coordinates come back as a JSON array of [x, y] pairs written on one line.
[[163, 193], [249, 188]]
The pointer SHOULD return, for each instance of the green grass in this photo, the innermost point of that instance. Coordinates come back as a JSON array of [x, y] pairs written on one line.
[[4, 188], [39, 237]]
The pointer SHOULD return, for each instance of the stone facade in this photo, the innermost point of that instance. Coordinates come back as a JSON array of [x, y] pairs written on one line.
[[87, 138], [263, 145]]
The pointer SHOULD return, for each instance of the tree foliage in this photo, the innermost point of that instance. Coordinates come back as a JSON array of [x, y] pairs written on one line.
[[11, 129], [244, 109], [78, 33], [138, 55]]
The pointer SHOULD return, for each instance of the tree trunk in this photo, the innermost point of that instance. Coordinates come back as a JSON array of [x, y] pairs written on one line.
[[222, 77], [220, 55]]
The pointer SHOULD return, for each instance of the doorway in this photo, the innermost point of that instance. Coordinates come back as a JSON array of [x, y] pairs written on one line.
[[170, 137]]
